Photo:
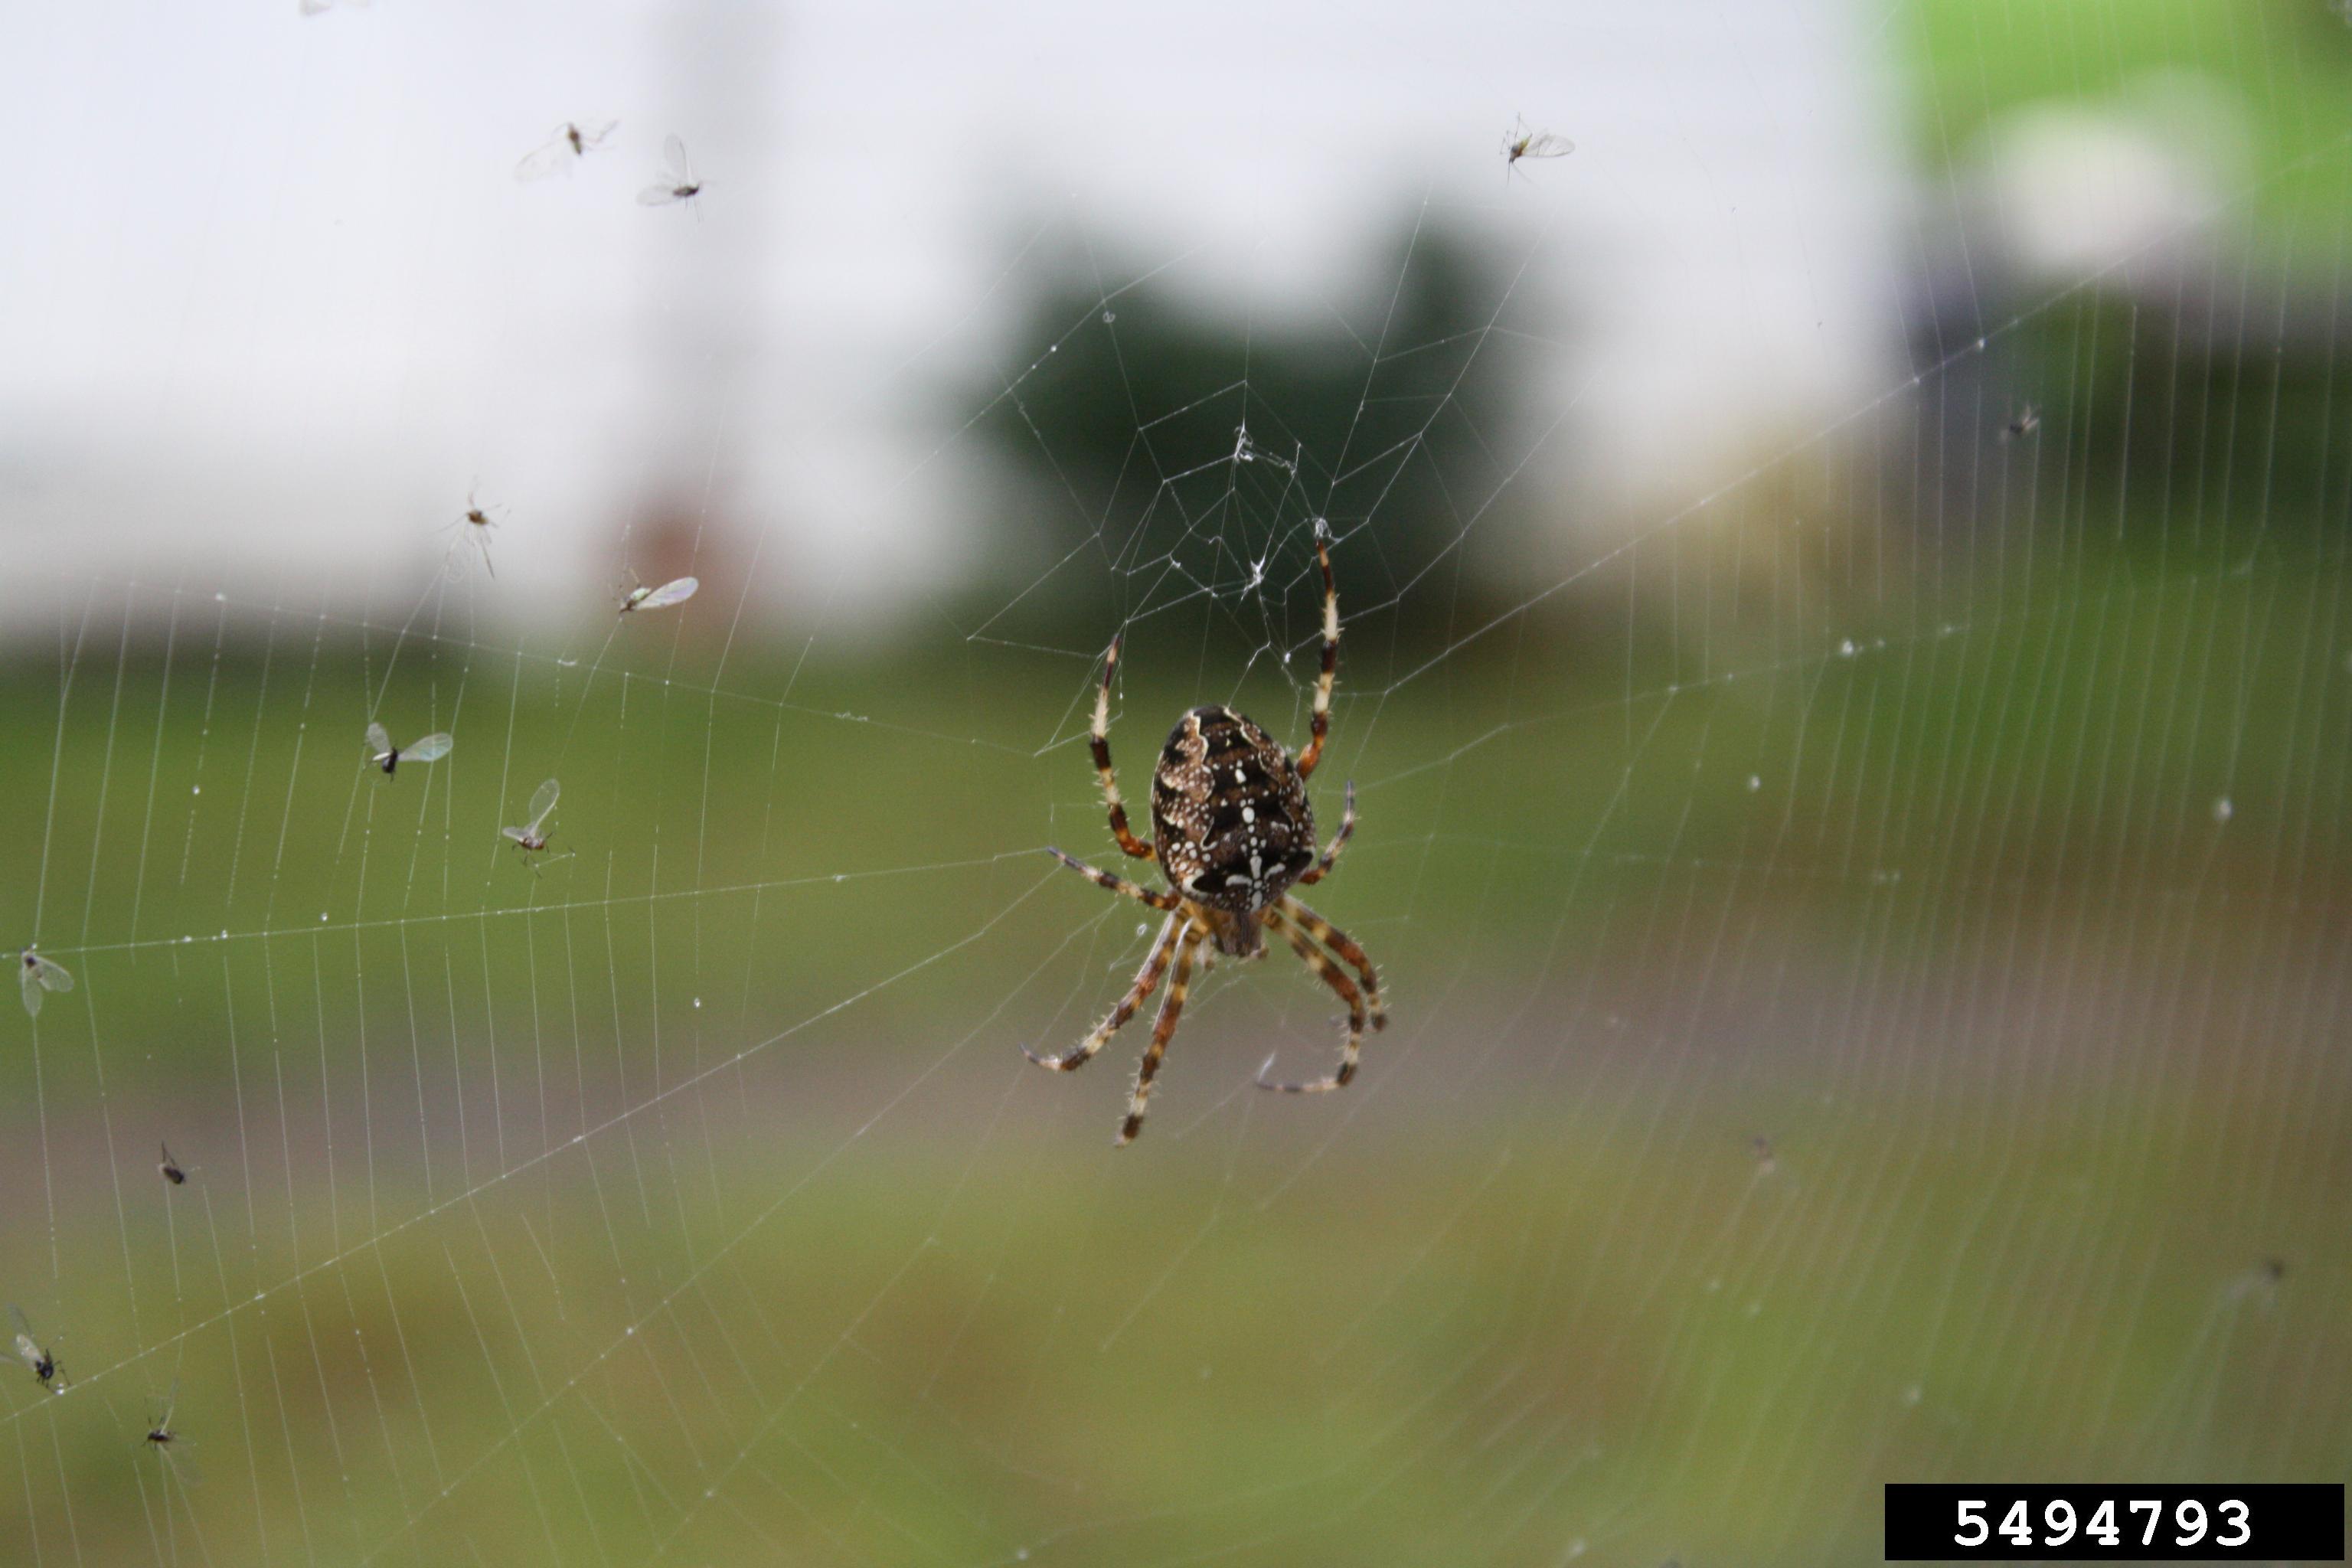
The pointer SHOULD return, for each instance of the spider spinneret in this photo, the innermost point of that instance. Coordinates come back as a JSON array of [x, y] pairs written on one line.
[[1233, 833]]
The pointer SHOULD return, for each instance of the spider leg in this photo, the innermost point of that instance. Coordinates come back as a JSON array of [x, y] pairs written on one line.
[[1171, 1008], [1098, 735], [1322, 868], [1102, 878], [1331, 975], [1346, 946], [1321, 724], [1147, 980]]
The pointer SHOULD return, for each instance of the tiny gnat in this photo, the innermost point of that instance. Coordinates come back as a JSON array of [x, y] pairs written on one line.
[[532, 836], [383, 754], [678, 590], [38, 1359], [570, 142], [676, 184], [1522, 142], [40, 976], [477, 524]]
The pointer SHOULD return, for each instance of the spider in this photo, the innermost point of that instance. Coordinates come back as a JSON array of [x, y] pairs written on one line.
[[1233, 832]]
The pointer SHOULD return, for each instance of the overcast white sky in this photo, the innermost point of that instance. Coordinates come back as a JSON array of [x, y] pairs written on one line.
[[272, 300]]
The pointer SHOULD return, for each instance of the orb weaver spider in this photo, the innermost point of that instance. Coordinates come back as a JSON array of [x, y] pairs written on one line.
[[1233, 832]]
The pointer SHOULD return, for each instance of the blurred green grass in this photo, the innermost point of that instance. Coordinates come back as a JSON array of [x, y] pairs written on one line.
[[1018, 1368], [199, 818]]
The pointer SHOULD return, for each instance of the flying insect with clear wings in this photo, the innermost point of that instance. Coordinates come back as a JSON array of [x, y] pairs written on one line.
[[2023, 423], [1524, 141], [531, 837], [39, 1360], [676, 592], [39, 975], [678, 182], [169, 1168], [570, 142], [383, 754]]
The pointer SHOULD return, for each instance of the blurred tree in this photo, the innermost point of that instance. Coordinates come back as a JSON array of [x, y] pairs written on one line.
[[1142, 421]]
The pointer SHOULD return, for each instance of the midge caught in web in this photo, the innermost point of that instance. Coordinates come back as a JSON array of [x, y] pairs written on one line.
[[38, 1359], [570, 142], [678, 590], [39, 976], [383, 754], [477, 525], [1520, 141], [532, 836], [678, 182], [164, 1438], [1233, 832]]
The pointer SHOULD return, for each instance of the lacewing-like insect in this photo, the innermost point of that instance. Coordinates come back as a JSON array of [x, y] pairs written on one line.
[[675, 592], [169, 1168], [1522, 142], [532, 836], [2026, 421], [678, 182], [570, 142], [39, 975], [383, 754], [38, 1361]]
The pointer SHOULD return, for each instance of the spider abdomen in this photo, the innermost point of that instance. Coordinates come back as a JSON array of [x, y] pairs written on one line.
[[1229, 812]]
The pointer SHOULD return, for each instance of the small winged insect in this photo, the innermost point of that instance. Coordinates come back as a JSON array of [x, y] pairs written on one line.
[[477, 525], [1522, 142], [165, 1439], [2023, 423], [678, 182], [532, 836], [39, 1360], [383, 754], [570, 142], [39, 975], [678, 590], [169, 1168]]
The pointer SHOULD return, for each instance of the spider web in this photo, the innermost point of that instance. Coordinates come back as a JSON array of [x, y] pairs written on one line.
[[1865, 927]]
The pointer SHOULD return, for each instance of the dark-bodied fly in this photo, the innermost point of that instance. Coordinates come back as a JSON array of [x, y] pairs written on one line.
[[383, 754]]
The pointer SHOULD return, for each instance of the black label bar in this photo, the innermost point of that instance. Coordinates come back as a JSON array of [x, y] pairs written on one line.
[[2115, 1524]]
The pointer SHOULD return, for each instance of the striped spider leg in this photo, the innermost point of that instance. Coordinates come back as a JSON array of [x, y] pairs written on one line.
[[1147, 980], [1304, 929]]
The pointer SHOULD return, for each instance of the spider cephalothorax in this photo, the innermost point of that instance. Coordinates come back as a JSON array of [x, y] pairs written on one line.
[[1233, 830]]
